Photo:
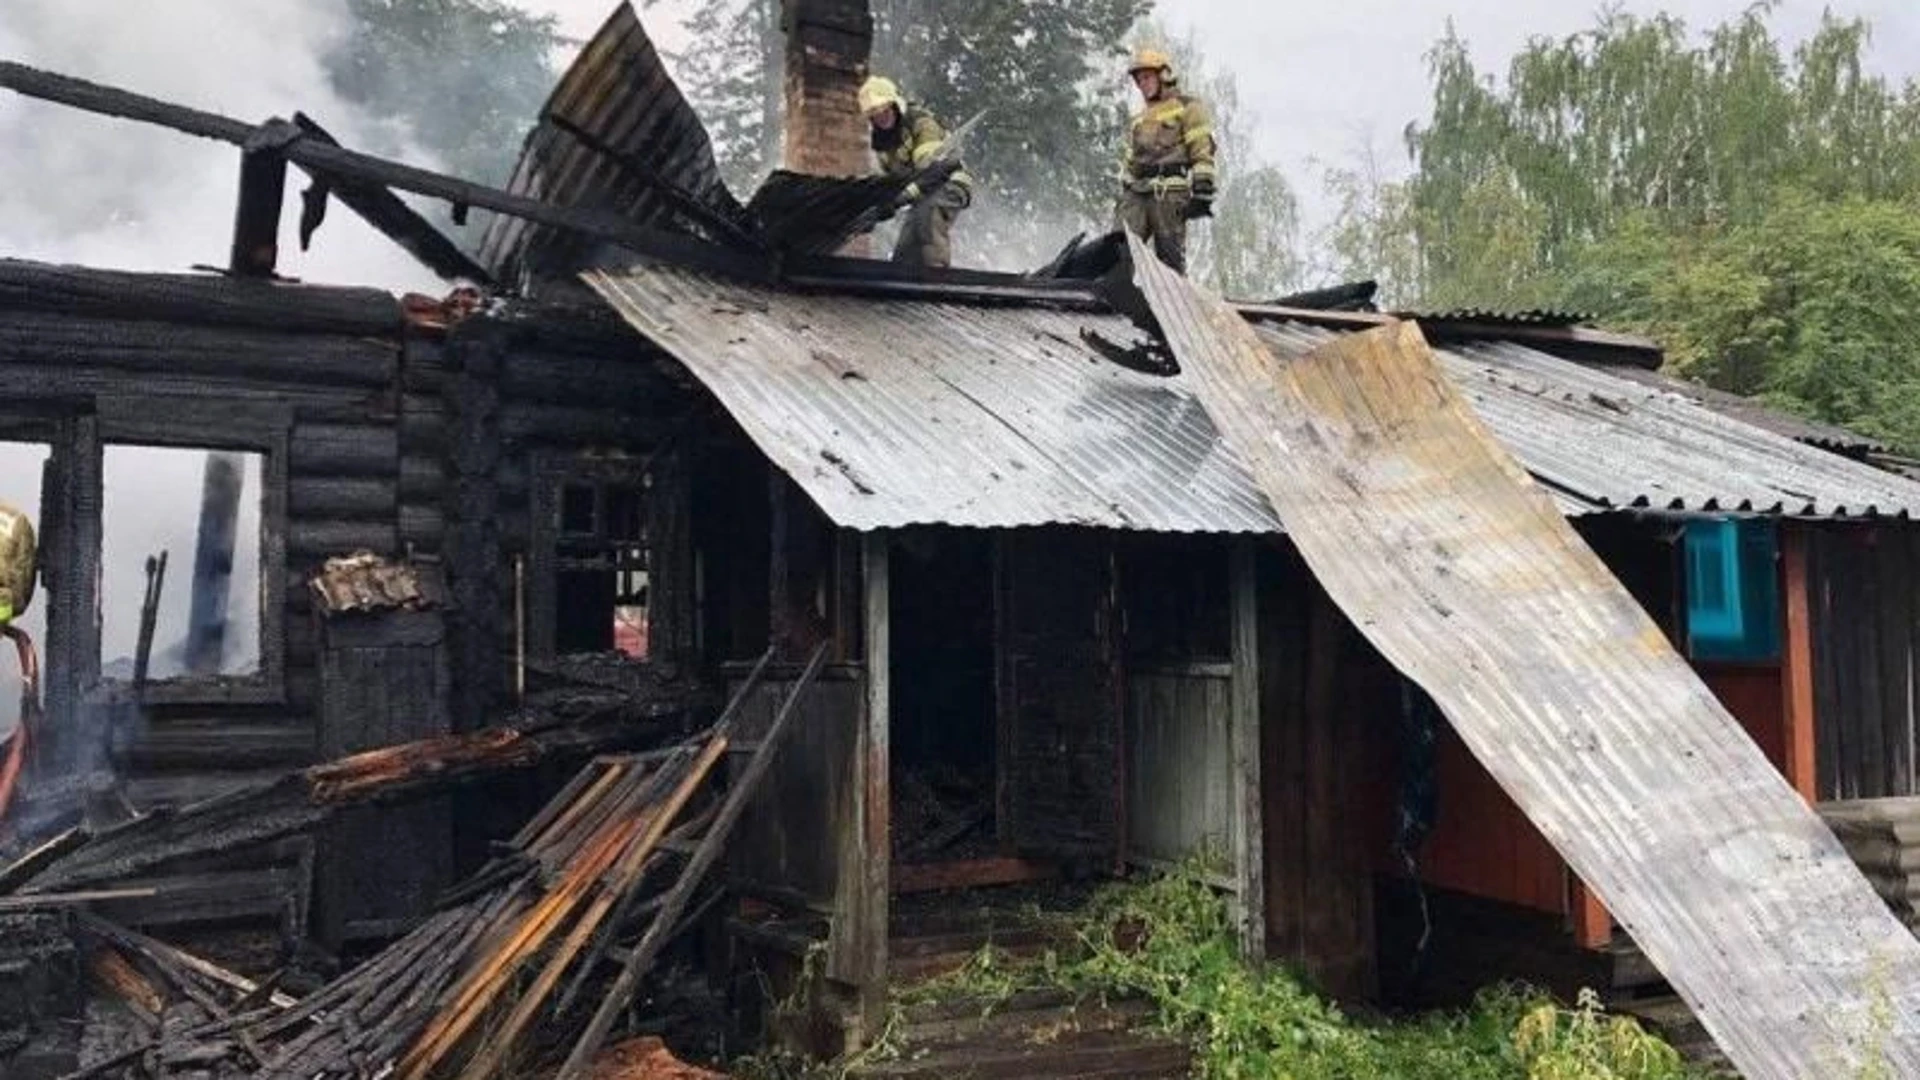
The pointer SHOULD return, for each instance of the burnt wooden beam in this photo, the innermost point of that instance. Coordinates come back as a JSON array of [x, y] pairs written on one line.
[[40, 289], [256, 217], [384, 210], [299, 801], [344, 165]]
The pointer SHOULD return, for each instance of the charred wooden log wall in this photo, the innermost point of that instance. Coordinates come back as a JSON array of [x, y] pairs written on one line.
[[397, 439]]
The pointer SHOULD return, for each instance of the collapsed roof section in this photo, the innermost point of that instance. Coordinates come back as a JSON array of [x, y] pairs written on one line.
[[618, 136]]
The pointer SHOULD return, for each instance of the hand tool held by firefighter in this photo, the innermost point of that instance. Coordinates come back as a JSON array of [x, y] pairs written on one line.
[[944, 162], [18, 556]]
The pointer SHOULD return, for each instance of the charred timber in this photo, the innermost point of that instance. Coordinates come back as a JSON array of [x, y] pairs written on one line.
[[189, 298], [158, 345], [396, 220], [299, 801], [339, 164]]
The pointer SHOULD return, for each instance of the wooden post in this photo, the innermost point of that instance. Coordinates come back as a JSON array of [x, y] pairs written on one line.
[[1592, 924], [1249, 845], [256, 219], [1797, 665], [876, 797]]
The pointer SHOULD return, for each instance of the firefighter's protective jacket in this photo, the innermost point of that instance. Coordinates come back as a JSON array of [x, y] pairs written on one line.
[[1170, 142], [909, 146]]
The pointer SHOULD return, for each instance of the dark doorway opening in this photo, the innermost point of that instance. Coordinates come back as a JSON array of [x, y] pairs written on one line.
[[943, 730]]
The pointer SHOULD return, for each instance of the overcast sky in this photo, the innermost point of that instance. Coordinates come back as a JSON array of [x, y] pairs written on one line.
[[1326, 78]]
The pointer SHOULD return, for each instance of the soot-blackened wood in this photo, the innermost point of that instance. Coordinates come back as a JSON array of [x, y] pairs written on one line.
[[384, 680], [711, 847], [338, 451], [1062, 773], [240, 356], [398, 222], [256, 218], [343, 498], [338, 163], [197, 299], [297, 802], [476, 563]]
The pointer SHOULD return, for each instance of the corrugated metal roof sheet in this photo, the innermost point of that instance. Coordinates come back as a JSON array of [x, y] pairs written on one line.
[[817, 214], [1812, 432], [618, 93], [900, 413], [1617, 443], [618, 135], [1456, 567], [894, 413], [1489, 317]]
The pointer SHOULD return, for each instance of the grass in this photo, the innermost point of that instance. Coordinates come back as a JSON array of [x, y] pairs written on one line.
[[1168, 940]]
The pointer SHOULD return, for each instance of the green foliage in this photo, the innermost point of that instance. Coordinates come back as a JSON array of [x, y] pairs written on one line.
[[463, 79], [1750, 207], [1169, 940]]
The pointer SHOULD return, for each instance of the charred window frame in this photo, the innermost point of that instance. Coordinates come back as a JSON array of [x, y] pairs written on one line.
[[591, 557], [191, 423]]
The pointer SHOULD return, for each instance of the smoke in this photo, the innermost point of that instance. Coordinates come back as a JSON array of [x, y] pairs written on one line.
[[85, 189]]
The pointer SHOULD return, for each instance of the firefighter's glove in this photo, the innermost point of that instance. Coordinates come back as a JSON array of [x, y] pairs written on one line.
[[1201, 204], [908, 195]]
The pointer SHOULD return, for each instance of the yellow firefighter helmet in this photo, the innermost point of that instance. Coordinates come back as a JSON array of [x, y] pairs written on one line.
[[1151, 59], [878, 93], [18, 562]]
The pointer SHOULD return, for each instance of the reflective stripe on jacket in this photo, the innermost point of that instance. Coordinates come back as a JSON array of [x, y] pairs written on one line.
[[1172, 136]]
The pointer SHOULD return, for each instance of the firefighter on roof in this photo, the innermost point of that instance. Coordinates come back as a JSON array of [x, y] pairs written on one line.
[[906, 138], [1169, 168]]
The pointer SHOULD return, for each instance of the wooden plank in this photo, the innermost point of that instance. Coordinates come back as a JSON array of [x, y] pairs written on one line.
[[1893, 641], [1830, 713], [875, 803], [1797, 663], [206, 299], [1863, 583], [1249, 845], [1284, 646], [619, 995], [256, 218]]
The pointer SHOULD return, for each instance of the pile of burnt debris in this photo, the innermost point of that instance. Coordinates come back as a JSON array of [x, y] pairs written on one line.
[[551, 960]]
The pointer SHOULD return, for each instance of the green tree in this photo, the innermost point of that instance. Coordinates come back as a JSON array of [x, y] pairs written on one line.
[[1749, 206], [462, 79]]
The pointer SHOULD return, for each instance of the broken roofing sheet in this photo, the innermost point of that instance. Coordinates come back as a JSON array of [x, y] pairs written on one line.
[[892, 413], [618, 135], [1460, 571]]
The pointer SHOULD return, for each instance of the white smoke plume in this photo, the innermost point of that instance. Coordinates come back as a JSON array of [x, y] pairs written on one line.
[[82, 189], [85, 189]]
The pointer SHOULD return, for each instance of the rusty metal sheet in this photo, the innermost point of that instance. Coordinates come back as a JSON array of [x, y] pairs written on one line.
[[1459, 569], [1620, 439]]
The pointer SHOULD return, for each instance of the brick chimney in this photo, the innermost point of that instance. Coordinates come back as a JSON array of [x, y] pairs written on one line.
[[828, 43]]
